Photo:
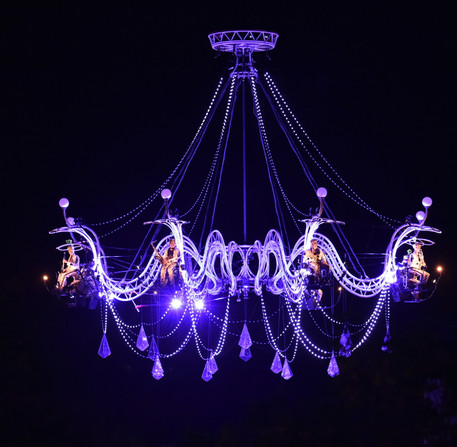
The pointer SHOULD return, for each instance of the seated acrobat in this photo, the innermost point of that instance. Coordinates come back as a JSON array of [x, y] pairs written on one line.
[[316, 261], [70, 269], [416, 266], [316, 265], [169, 274]]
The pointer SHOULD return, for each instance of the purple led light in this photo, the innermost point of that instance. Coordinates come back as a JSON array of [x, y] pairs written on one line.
[[176, 303], [199, 304]]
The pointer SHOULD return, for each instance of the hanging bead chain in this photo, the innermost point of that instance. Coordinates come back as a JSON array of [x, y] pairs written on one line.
[[237, 322], [178, 324], [373, 319], [104, 314], [306, 342], [316, 324], [181, 347], [194, 331], [125, 336], [223, 334], [140, 208], [272, 340], [209, 178], [387, 311], [351, 194], [211, 171], [268, 154]]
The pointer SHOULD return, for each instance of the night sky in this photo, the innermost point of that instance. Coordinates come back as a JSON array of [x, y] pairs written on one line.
[[98, 103]]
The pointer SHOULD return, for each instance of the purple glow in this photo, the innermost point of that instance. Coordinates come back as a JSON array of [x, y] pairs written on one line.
[[427, 201], [321, 193], [104, 350], [166, 194], [199, 304], [245, 338], [142, 341], [176, 303], [387, 339], [63, 203], [207, 375], [276, 366], [157, 370], [153, 350], [345, 339], [251, 40], [268, 266], [333, 369], [245, 354], [212, 365], [286, 371]]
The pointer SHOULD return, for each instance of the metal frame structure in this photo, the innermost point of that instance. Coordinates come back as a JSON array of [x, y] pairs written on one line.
[[219, 271]]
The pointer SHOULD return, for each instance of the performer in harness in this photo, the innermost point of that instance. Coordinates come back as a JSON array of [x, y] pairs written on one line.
[[416, 266], [316, 261], [70, 269], [169, 260]]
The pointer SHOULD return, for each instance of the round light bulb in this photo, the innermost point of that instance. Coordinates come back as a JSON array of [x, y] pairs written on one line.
[[166, 194], [63, 203], [199, 304], [420, 216], [427, 201], [176, 303], [321, 193]]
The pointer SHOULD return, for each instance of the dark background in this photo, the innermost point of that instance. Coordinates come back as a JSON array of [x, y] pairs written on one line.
[[98, 102]]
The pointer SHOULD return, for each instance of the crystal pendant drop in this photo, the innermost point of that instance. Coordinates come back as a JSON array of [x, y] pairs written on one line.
[[245, 339], [387, 340], [157, 370], [333, 369], [212, 365], [245, 354], [142, 341], [104, 350], [153, 350], [387, 337], [276, 366], [346, 343], [207, 375], [286, 371]]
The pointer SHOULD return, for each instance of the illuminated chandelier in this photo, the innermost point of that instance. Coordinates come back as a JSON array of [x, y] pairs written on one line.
[[221, 281]]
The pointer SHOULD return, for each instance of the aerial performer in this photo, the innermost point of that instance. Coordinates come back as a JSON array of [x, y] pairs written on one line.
[[315, 262], [169, 274], [417, 267], [70, 269], [315, 259]]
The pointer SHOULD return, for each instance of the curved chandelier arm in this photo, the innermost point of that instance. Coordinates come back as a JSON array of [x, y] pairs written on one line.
[[276, 271], [369, 287], [122, 290]]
